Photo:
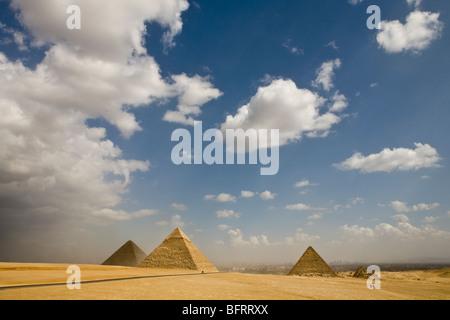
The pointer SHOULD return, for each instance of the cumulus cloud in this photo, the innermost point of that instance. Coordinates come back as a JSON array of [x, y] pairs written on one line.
[[281, 105], [192, 92], [402, 231], [420, 29], [116, 35], [400, 206], [402, 159], [247, 194], [339, 101], [303, 183], [227, 214], [302, 238], [267, 195], [236, 239], [325, 74], [223, 197], [301, 207]]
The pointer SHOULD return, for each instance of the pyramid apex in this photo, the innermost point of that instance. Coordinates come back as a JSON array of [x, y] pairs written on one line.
[[178, 233]]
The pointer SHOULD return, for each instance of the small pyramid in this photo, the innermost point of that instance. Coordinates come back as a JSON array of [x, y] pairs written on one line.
[[361, 273], [311, 264], [129, 255], [178, 252]]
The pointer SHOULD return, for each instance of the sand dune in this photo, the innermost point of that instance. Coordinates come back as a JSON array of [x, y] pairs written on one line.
[[176, 284]]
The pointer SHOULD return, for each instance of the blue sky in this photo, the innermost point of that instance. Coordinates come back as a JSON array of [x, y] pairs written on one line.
[[88, 115]]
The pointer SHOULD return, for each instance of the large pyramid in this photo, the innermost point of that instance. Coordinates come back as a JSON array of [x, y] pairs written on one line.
[[311, 264], [129, 255], [178, 252], [361, 273]]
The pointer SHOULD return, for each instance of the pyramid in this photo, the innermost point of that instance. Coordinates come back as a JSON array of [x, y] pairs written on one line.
[[129, 255], [178, 252], [361, 273], [311, 264]]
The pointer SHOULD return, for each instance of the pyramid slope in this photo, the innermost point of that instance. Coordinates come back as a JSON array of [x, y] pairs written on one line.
[[178, 252], [361, 273], [129, 255], [311, 264]]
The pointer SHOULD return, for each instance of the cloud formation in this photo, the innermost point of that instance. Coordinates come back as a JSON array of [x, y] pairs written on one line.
[[281, 105], [388, 160], [400, 206], [325, 74], [420, 29]]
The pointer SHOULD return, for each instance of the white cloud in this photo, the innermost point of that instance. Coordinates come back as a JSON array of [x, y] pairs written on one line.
[[403, 231], [179, 206], [423, 156], [116, 35], [227, 214], [281, 105], [339, 103], [400, 206], [223, 197], [192, 93], [236, 239], [302, 207], [355, 2], [298, 207], [356, 231], [420, 29], [303, 183], [325, 74], [301, 237], [267, 195], [247, 194], [315, 216]]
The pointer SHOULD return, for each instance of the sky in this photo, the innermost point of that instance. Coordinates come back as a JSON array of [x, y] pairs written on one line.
[[87, 116]]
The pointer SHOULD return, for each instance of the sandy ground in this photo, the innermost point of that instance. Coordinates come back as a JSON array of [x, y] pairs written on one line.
[[30, 281]]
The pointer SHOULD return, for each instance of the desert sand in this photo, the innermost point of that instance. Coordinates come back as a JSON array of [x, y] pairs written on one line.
[[48, 281]]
